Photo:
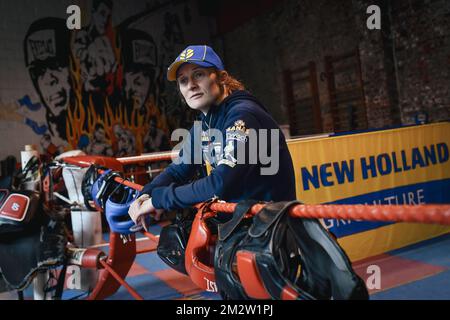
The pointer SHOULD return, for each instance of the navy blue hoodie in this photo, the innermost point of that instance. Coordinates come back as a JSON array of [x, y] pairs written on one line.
[[229, 180]]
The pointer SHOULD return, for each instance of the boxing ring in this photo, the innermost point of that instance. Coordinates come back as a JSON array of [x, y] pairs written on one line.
[[114, 266]]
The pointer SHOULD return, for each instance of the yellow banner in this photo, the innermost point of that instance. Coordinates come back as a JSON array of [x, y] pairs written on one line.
[[407, 165]]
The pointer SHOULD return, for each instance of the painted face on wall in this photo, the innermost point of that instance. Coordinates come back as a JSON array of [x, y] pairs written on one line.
[[99, 134], [125, 140], [100, 17], [198, 86], [137, 88], [53, 83]]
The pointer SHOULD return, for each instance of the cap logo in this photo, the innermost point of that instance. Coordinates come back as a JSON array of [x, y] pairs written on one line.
[[186, 54], [41, 45], [143, 52]]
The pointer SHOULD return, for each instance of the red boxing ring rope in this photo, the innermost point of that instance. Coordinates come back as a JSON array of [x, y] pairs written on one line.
[[426, 213]]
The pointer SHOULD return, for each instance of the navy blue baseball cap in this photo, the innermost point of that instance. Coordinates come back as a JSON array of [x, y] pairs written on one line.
[[203, 56]]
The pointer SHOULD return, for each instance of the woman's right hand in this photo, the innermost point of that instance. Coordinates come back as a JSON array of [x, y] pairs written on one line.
[[142, 207]]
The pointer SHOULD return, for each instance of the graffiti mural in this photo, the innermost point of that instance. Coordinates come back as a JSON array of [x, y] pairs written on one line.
[[47, 57], [103, 87]]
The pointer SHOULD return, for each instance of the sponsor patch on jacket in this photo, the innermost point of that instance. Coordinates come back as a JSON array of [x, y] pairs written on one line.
[[237, 132]]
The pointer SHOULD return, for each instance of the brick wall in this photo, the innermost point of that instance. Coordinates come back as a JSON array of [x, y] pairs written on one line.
[[404, 66], [421, 31]]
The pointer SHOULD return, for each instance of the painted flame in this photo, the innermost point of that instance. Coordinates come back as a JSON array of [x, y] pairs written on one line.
[[82, 120]]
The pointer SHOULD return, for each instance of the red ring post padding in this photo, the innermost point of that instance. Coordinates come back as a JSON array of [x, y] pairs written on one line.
[[120, 259]]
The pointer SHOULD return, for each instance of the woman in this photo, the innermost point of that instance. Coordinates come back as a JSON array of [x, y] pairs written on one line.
[[242, 151]]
